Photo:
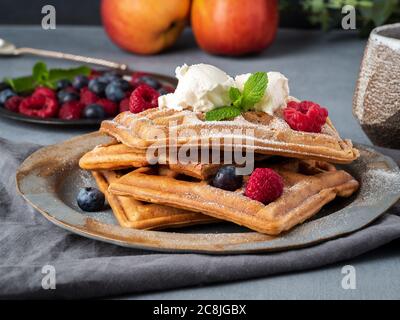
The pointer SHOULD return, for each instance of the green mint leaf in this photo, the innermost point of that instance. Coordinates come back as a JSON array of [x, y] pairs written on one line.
[[43, 77], [223, 113], [22, 84], [254, 89], [40, 72], [58, 74], [236, 97], [234, 94]]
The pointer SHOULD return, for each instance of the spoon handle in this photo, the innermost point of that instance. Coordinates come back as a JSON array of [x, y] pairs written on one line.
[[68, 56]]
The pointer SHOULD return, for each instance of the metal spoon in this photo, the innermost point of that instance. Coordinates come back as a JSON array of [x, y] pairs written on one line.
[[9, 49]]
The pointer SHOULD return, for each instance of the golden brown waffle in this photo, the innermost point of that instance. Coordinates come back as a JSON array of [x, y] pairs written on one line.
[[267, 134], [308, 186], [119, 156], [113, 157], [132, 213]]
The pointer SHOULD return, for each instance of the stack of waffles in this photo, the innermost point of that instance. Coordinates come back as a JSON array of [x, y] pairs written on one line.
[[148, 188]]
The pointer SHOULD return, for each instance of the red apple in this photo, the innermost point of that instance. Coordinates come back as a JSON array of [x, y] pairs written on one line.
[[144, 26], [234, 27]]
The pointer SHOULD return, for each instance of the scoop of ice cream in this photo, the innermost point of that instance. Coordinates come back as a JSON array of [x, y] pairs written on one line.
[[276, 94], [201, 88]]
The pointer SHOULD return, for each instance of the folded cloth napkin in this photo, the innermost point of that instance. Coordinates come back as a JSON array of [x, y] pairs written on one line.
[[86, 268]]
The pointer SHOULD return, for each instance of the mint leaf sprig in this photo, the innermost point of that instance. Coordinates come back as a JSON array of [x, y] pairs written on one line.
[[42, 76], [253, 92]]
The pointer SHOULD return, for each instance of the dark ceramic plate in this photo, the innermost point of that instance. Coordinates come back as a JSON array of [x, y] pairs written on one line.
[[49, 180], [77, 123]]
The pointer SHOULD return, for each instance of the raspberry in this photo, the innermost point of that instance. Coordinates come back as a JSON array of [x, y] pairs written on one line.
[[110, 108], [43, 91], [305, 116], [124, 105], [39, 106], [88, 97], [71, 110], [142, 98], [13, 103], [264, 185]]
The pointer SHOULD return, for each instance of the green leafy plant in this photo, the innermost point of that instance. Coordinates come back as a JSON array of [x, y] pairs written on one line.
[[42, 76], [328, 15], [253, 92]]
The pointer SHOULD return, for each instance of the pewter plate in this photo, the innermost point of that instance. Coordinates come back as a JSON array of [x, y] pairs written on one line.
[[50, 179]]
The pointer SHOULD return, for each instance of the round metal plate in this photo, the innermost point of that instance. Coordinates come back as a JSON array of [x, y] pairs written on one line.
[[50, 179], [81, 122]]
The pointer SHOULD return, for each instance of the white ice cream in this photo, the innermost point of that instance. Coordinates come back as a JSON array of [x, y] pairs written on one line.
[[275, 95], [201, 88]]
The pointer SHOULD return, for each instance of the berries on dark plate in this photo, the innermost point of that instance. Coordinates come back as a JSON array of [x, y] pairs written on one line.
[[80, 81], [125, 85], [142, 98], [114, 92], [97, 86], [5, 95], [62, 84], [44, 91], [94, 111], [70, 110], [110, 108], [124, 105], [110, 76], [67, 96], [151, 82], [13, 103], [90, 200], [136, 78], [39, 106], [88, 97], [227, 179]]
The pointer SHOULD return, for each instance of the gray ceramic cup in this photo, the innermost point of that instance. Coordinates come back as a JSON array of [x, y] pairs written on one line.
[[376, 101]]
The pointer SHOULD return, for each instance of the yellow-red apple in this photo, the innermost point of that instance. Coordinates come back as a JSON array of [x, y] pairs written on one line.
[[234, 27], [144, 26]]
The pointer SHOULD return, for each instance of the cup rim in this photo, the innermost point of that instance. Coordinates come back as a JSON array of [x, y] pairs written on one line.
[[387, 40]]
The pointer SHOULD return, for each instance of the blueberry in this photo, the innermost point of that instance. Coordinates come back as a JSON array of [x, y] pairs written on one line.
[[151, 82], [94, 111], [5, 95], [107, 77], [227, 179], [125, 85], [97, 86], [67, 96], [114, 92], [90, 199], [80, 82], [62, 84]]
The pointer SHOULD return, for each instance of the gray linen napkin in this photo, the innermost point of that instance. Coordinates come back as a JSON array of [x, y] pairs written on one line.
[[86, 268]]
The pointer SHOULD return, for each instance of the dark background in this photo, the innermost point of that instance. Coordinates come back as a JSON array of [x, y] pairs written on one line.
[[85, 12]]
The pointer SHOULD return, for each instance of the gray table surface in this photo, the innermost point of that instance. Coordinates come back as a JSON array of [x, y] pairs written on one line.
[[320, 67]]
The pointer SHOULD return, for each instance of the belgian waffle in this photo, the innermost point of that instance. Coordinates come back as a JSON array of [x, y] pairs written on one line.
[[120, 156], [113, 157], [308, 186], [136, 214], [256, 131]]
